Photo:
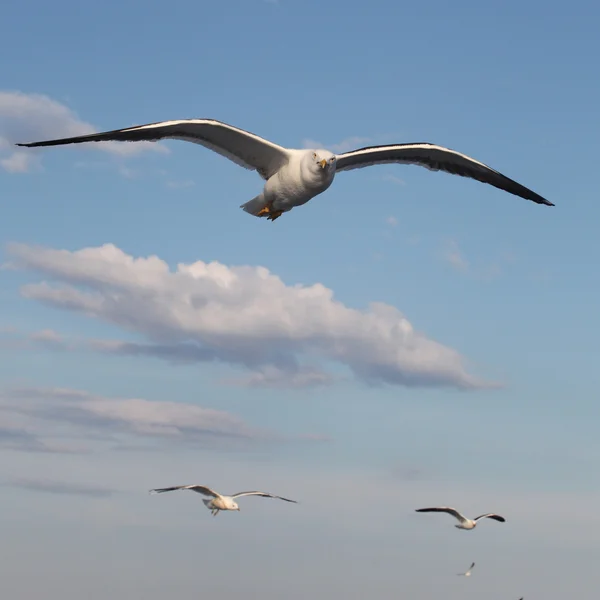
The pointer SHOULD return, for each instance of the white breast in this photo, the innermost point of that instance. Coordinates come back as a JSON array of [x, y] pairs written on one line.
[[295, 184]]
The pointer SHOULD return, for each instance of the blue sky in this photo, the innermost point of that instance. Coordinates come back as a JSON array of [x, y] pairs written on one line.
[[472, 383]]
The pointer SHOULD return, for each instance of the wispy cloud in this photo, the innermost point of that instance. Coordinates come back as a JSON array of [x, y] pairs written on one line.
[[57, 487], [180, 185], [393, 179], [406, 472], [44, 419], [19, 437], [33, 117], [349, 143], [245, 316], [273, 377], [482, 270], [454, 257], [392, 221]]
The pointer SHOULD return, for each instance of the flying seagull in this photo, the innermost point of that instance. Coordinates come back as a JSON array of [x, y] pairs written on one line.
[[463, 522], [217, 501], [293, 176], [467, 573]]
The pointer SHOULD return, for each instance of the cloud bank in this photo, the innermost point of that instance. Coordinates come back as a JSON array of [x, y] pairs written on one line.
[[282, 335], [35, 117]]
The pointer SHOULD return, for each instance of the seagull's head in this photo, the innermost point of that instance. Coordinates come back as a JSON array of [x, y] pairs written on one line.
[[234, 506], [322, 161]]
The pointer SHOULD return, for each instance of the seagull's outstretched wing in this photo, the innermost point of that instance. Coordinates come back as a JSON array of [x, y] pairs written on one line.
[[435, 158], [446, 509], [195, 488], [491, 516], [242, 147], [263, 494], [468, 571]]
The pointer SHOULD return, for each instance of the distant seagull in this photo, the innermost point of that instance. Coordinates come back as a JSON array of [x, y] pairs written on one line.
[[463, 523], [218, 502], [292, 176], [468, 573]]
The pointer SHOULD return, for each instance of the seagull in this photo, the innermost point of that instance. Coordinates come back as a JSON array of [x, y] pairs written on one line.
[[463, 522], [218, 501], [468, 573], [294, 176]]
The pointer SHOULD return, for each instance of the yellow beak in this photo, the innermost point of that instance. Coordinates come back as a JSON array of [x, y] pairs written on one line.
[[323, 163]]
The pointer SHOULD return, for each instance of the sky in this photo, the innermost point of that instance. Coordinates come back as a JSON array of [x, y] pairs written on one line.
[[405, 339]]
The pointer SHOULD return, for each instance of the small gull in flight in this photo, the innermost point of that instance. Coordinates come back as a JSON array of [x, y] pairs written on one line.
[[463, 522], [467, 573], [294, 176], [217, 502]]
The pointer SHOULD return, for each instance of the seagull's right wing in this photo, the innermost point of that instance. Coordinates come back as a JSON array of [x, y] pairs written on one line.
[[491, 516], [467, 572], [434, 158], [195, 488], [263, 494], [446, 509], [242, 147]]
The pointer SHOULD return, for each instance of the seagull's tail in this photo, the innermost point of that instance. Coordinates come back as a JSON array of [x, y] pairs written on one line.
[[255, 205]]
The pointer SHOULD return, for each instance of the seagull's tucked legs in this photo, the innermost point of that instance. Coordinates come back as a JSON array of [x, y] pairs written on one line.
[[271, 215]]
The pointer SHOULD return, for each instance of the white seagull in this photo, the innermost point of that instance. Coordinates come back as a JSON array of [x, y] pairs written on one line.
[[293, 176], [463, 522], [218, 501], [467, 573]]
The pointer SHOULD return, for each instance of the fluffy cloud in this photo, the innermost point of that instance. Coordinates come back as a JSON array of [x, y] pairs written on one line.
[[50, 420], [33, 117], [241, 315]]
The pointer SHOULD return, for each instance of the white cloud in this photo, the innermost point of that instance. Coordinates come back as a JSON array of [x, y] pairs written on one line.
[[47, 336], [453, 256], [349, 143], [19, 162], [392, 221], [58, 487], [482, 270], [35, 117], [34, 418], [241, 315], [393, 179], [271, 376], [180, 185]]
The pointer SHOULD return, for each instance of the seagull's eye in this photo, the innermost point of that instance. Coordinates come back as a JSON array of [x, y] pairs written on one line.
[[314, 155], [332, 159]]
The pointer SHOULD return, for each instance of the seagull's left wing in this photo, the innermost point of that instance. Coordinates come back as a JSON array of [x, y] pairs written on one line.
[[242, 147], [491, 516], [263, 494], [201, 489], [435, 158]]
